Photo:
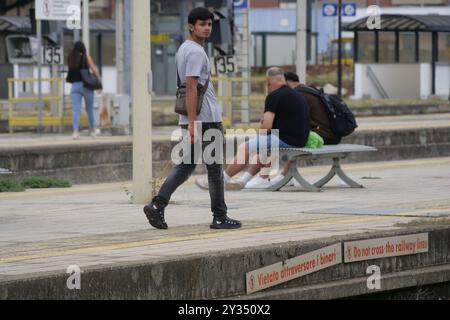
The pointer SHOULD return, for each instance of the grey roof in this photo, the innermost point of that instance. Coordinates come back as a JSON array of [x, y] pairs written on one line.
[[14, 24], [23, 25], [391, 22]]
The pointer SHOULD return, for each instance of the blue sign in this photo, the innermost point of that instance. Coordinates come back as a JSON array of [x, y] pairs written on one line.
[[349, 9], [329, 9], [240, 4]]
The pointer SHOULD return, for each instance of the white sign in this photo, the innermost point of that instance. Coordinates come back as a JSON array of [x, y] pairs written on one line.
[[223, 65], [293, 268], [349, 9], [52, 55], [56, 9], [329, 9], [240, 4], [385, 247]]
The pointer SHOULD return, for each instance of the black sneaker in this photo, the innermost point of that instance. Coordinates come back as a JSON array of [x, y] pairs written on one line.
[[155, 215], [225, 223]]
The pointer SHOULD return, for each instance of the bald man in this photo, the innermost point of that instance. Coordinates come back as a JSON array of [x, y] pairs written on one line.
[[285, 110]]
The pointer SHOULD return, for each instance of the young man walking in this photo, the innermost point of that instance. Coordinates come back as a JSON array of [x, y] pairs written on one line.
[[193, 67]]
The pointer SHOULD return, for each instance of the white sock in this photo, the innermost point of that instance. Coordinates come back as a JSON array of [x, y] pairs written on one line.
[[246, 177], [226, 177]]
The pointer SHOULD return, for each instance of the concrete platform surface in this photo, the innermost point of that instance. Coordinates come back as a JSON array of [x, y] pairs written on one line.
[[27, 140], [45, 231]]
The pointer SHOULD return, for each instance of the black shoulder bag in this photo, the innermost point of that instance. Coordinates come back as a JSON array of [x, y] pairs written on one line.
[[90, 81]]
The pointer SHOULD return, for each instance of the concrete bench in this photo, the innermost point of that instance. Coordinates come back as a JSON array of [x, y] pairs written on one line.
[[335, 152], [4, 172]]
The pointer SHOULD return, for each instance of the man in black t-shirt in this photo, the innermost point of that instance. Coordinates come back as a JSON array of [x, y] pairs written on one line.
[[287, 112]]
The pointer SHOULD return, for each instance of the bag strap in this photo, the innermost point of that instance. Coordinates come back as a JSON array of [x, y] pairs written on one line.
[[321, 95], [310, 90], [178, 79], [83, 64], [204, 88]]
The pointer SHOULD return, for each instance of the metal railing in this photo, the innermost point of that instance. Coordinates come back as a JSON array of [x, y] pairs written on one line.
[[372, 76], [226, 94], [27, 116]]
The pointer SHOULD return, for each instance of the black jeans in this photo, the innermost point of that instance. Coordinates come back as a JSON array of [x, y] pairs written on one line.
[[181, 172]]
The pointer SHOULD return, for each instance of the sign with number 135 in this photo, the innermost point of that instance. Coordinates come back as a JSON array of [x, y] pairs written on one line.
[[52, 55], [223, 65]]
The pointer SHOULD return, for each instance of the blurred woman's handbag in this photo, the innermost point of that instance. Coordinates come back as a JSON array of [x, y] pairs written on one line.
[[180, 102], [90, 81]]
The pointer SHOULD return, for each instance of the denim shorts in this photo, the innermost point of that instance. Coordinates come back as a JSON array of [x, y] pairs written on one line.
[[265, 142]]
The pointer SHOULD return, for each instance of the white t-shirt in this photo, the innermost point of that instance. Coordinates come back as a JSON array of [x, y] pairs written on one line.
[[192, 61]]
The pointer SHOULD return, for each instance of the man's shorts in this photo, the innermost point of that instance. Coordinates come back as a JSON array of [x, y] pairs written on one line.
[[265, 142]]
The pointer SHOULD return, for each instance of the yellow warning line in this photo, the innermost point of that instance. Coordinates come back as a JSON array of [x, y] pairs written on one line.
[[420, 212], [143, 243], [99, 188]]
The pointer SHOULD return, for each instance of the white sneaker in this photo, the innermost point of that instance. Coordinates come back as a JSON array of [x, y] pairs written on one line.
[[280, 177], [202, 183], [75, 135], [93, 133], [258, 183], [233, 185]]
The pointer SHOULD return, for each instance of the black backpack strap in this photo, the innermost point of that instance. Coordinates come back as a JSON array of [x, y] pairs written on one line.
[[310, 90], [178, 79], [205, 88]]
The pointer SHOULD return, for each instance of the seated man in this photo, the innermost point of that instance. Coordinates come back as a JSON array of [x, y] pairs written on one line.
[[286, 111], [319, 123]]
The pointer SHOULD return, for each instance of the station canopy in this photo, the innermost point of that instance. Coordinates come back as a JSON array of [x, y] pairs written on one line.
[[405, 23], [23, 25]]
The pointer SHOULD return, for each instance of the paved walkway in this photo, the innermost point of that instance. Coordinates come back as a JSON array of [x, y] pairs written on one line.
[[93, 225]]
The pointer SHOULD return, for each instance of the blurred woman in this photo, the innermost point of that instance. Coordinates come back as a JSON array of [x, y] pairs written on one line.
[[79, 59]]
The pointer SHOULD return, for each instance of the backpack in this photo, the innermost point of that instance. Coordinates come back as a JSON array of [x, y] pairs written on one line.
[[342, 120]]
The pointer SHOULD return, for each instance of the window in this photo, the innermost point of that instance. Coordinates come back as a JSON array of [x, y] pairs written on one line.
[[425, 40], [366, 47], [444, 46], [108, 49], [407, 47], [386, 47]]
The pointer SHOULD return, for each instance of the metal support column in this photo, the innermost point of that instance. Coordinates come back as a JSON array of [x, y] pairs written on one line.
[[100, 53], [119, 45], [377, 47], [246, 67], [434, 58], [397, 47], [339, 48], [127, 47], [417, 48], [40, 101]]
